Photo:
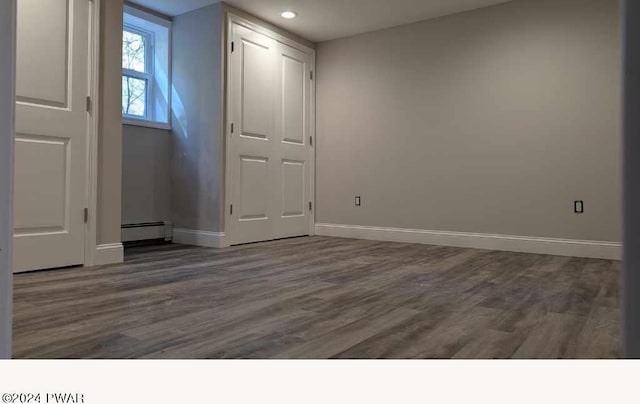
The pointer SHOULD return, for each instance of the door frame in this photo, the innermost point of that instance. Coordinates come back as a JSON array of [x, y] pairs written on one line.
[[232, 18], [93, 130]]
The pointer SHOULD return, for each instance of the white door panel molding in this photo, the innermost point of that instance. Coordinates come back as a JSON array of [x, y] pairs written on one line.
[[270, 155]]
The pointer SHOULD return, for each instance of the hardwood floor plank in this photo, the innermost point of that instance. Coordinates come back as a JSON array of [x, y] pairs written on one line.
[[322, 297], [553, 337], [343, 338]]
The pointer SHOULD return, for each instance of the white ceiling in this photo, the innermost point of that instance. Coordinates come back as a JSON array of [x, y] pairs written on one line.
[[322, 20], [174, 7]]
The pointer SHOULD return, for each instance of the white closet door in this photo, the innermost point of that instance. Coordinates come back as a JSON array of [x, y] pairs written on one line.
[[270, 151], [51, 132], [253, 89], [292, 151]]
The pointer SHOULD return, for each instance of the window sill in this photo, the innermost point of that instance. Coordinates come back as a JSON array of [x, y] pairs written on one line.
[[146, 124]]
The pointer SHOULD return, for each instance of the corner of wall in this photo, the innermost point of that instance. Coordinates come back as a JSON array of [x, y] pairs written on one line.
[[198, 124], [110, 127]]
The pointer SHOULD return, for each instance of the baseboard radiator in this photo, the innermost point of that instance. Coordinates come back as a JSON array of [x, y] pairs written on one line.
[[146, 231]]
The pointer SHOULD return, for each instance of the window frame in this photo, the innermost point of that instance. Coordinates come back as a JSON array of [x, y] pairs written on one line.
[[147, 76], [151, 47]]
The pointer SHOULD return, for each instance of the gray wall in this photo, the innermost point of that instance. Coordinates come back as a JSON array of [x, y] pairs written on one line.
[[632, 181], [7, 99], [146, 179], [491, 121], [110, 131], [197, 120]]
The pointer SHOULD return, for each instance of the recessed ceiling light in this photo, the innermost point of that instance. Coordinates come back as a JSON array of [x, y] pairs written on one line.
[[289, 14]]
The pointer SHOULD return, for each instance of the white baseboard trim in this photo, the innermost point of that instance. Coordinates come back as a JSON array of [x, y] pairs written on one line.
[[109, 254], [200, 238], [536, 245]]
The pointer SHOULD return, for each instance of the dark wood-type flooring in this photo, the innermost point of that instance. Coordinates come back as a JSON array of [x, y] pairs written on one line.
[[320, 297]]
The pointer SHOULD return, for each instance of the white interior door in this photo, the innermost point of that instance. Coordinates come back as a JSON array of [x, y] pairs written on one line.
[[51, 133], [270, 89]]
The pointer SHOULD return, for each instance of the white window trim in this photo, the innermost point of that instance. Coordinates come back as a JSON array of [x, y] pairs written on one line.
[[146, 121], [136, 12]]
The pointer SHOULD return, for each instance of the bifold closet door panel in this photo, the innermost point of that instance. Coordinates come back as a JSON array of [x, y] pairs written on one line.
[[293, 126], [253, 94]]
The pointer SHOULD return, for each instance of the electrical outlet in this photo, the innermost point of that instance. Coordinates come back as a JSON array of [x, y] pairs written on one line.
[[358, 201], [578, 207]]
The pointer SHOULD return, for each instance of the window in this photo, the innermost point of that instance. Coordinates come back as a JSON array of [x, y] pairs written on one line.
[[145, 69], [137, 72]]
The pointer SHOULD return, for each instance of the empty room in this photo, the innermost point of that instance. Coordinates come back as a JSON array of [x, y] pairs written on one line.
[[289, 179]]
